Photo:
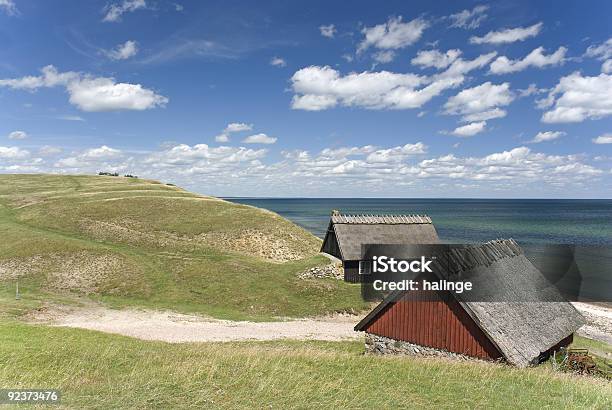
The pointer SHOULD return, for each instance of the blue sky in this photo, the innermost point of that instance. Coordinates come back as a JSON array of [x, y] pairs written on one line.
[[394, 99]]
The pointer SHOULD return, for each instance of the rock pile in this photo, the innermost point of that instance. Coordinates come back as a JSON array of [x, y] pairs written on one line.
[[375, 344], [319, 272]]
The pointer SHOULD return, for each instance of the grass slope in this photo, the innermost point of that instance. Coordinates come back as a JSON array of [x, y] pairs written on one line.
[[134, 242], [96, 370]]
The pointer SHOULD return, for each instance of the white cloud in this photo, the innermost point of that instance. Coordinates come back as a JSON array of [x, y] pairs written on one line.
[[178, 7], [485, 115], [90, 93], [480, 102], [123, 51], [435, 58], [328, 31], [470, 129], [260, 138], [231, 128], [237, 127], [103, 152], [13, 153], [319, 88], [104, 94], [278, 62], [18, 135], [577, 98], [222, 138], [384, 56], [508, 35], [537, 58], [396, 154], [103, 157], [603, 139], [602, 51], [546, 136], [532, 89], [469, 19], [606, 66], [404, 169], [394, 34], [9, 7], [113, 12]]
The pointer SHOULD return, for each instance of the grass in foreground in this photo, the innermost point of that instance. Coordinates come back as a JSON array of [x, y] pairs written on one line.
[[132, 242], [106, 371]]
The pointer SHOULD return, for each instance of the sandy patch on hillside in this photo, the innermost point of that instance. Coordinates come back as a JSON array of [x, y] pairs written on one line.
[[177, 328], [81, 271]]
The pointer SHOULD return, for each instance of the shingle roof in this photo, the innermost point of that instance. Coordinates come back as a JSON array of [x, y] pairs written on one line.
[[353, 231], [522, 326]]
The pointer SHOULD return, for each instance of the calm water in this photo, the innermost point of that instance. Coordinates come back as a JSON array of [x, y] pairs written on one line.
[[533, 223], [580, 222]]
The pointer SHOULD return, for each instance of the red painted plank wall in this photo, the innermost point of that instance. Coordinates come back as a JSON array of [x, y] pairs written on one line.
[[441, 323]]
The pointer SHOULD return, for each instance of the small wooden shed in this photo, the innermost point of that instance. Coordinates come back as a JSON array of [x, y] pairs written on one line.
[[347, 233], [518, 330]]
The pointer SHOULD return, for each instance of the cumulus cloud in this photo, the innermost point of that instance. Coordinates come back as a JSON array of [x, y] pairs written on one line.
[[260, 138], [435, 58], [103, 152], [113, 12], [232, 127], [392, 35], [18, 135], [241, 170], [480, 102], [470, 129], [603, 139], [318, 88], [469, 19], [328, 31], [606, 67], [537, 58], [9, 7], [278, 62], [90, 93], [508, 35], [13, 153], [123, 51], [577, 98], [237, 127], [544, 136]]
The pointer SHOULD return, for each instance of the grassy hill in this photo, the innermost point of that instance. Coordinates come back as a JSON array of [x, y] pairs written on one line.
[[97, 370], [135, 242]]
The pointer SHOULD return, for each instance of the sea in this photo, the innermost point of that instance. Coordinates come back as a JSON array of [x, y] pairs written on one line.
[[584, 224]]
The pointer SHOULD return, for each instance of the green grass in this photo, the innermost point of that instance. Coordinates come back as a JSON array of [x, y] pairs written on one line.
[[96, 370], [138, 243]]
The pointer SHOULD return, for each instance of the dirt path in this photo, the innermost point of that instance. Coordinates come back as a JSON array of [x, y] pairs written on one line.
[[176, 328]]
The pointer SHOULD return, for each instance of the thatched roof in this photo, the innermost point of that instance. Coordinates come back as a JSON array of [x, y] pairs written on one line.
[[352, 231], [532, 317]]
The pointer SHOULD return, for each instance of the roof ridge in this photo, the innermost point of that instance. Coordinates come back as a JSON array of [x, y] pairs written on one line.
[[339, 218], [484, 254]]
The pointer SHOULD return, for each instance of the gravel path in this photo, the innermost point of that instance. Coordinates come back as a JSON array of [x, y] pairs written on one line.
[[177, 328]]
